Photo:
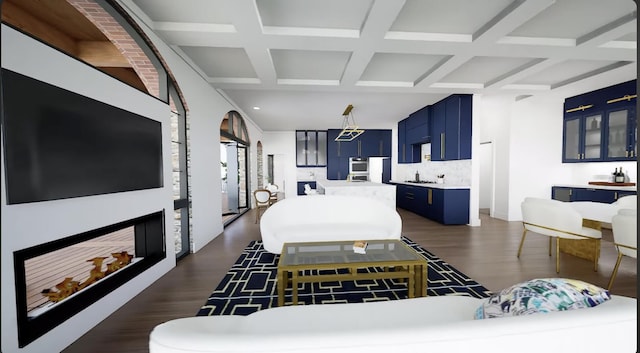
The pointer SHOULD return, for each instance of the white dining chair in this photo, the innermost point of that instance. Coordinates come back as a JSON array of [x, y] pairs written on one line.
[[556, 219], [629, 201], [625, 237]]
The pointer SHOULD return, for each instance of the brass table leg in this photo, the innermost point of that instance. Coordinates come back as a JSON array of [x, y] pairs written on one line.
[[282, 281], [294, 284]]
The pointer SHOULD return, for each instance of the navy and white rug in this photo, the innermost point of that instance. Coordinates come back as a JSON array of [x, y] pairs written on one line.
[[250, 285]]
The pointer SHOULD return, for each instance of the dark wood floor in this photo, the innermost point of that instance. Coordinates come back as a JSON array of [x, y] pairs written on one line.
[[486, 254]]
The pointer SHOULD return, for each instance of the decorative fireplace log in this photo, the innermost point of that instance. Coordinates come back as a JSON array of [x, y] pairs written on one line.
[[65, 289], [69, 286]]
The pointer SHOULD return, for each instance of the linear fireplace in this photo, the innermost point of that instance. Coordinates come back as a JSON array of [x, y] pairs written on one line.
[[58, 279]]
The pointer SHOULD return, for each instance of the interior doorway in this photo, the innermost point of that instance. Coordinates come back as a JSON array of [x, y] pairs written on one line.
[[234, 167], [486, 199]]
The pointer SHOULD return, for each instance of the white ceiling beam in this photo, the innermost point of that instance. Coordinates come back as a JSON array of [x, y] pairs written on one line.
[[610, 32], [512, 17], [376, 24]]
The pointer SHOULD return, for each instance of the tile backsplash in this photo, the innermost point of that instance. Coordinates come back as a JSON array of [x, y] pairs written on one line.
[[455, 172]]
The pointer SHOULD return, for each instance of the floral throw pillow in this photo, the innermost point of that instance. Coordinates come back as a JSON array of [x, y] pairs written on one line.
[[542, 295]]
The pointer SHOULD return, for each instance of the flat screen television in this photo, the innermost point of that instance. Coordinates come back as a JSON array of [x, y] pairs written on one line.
[[59, 144]]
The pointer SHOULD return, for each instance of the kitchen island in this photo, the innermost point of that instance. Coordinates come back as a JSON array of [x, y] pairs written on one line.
[[384, 193]]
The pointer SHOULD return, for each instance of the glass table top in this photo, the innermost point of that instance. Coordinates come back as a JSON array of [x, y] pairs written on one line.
[[342, 252]]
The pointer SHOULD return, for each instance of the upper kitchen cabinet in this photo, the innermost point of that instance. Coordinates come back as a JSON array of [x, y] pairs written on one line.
[[407, 152], [601, 125], [418, 127], [412, 133], [311, 148], [451, 128], [371, 143]]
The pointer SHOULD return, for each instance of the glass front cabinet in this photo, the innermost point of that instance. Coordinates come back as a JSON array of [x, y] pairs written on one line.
[[601, 125]]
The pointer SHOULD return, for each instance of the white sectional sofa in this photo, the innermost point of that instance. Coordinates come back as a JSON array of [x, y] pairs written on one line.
[[428, 324], [326, 218]]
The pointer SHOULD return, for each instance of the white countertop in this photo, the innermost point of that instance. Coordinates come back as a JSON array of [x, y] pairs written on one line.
[[342, 183], [433, 186], [603, 187]]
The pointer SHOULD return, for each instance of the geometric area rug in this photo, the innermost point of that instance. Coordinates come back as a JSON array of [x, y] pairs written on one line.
[[250, 285]]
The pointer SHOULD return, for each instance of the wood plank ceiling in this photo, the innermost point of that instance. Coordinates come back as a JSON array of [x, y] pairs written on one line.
[[60, 25]]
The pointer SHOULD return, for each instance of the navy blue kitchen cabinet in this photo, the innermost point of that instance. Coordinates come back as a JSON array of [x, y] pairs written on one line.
[[418, 127], [571, 194], [337, 168], [446, 206], [371, 143], [407, 152], [311, 148], [601, 125], [451, 128]]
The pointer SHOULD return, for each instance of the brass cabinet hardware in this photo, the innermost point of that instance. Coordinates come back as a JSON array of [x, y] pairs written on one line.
[[429, 196], [570, 192], [442, 146], [627, 97], [615, 196], [582, 107]]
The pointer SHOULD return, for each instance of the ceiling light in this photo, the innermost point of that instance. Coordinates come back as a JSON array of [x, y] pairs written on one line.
[[349, 128], [256, 108]]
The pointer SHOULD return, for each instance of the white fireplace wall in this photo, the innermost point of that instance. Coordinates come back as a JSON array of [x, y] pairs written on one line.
[[26, 225]]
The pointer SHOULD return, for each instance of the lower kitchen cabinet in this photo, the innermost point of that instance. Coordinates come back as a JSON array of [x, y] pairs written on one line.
[[446, 206], [571, 194]]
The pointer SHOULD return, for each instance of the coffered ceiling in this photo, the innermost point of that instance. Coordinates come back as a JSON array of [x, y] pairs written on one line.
[[303, 61]]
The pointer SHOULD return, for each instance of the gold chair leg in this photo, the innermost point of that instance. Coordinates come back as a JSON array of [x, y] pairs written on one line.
[[521, 242], [550, 244], [597, 255], [557, 254], [615, 271]]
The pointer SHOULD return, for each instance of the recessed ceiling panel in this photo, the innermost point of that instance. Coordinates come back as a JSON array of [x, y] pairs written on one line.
[[189, 11], [482, 69], [399, 67], [563, 72], [450, 16], [309, 64], [574, 18], [221, 62], [312, 13]]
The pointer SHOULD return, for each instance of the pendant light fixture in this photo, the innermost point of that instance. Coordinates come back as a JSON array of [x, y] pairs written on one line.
[[349, 128]]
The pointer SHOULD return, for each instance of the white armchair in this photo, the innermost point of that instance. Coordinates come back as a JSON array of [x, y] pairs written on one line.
[[556, 219], [625, 237]]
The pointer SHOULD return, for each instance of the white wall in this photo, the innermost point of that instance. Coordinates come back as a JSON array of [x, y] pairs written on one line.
[[26, 225], [282, 145], [206, 109], [527, 140]]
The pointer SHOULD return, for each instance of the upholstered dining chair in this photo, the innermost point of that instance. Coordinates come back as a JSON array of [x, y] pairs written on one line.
[[629, 201], [262, 199], [625, 228], [556, 219]]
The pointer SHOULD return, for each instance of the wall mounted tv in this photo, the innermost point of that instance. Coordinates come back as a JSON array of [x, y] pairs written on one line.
[[59, 144]]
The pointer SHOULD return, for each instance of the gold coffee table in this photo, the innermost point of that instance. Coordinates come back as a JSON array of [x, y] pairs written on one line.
[[398, 260]]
